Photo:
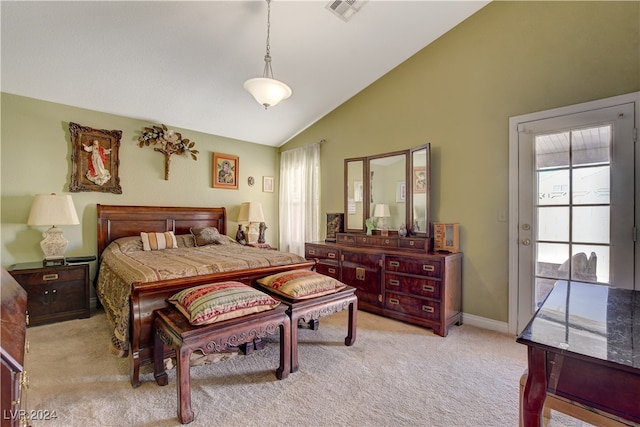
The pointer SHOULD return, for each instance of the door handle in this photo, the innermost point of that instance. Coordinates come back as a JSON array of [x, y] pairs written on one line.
[[526, 242]]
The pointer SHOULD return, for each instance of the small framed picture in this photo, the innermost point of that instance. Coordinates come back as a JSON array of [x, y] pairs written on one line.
[[420, 179], [225, 171], [267, 184]]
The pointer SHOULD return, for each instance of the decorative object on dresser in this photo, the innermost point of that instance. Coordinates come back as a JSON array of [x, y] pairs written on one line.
[[252, 215], [225, 171], [53, 209], [94, 159], [335, 225], [167, 142], [13, 311], [55, 293], [446, 237]]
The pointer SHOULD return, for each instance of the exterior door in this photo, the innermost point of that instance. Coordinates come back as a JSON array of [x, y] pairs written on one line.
[[575, 202]]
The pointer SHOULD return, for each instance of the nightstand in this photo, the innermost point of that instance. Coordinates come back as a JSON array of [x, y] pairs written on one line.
[[54, 293]]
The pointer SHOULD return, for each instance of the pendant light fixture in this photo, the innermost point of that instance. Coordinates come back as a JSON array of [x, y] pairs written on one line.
[[267, 90]]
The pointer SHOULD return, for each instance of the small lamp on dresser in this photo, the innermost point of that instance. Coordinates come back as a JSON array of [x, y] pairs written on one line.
[[381, 211], [53, 210]]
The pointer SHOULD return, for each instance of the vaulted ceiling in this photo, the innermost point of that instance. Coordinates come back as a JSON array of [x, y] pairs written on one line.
[[184, 63]]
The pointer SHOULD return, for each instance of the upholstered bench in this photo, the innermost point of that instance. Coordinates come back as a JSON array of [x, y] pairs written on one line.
[[310, 296], [174, 327]]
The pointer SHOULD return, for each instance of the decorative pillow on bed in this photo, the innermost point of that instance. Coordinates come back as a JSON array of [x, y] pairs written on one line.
[[301, 284], [206, 236], [215, 302], [158, 241]]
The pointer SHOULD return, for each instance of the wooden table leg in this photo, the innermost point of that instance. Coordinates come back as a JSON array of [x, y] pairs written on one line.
[[351, 326], [185, 414], [535, 390]]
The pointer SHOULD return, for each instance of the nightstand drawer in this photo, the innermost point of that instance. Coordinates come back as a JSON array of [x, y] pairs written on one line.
[[49, 275]]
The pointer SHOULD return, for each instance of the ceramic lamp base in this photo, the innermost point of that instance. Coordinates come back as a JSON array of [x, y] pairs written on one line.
[[54, 244]]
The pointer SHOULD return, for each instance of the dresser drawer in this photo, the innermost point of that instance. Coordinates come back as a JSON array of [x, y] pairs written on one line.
[[321, 252], [409, 243], [426, 309], [417, 266], [346, 239], [329, 268], [412, 285]]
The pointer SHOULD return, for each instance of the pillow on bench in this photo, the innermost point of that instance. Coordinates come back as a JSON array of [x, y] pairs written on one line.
[[301, 284], [215, 302]]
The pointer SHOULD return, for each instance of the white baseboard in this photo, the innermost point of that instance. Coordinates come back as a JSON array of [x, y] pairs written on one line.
[[484, 323]]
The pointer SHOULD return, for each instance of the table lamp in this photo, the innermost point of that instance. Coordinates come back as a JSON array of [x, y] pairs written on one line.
[[381, 211], [251, 214], [53, 209]]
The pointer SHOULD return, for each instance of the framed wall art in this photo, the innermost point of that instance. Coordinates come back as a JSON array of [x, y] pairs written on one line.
[[420, 179], [94, 159], [267, 184], [225, 171]]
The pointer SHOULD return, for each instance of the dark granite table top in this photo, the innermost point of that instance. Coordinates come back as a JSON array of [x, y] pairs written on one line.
[[596, 321]]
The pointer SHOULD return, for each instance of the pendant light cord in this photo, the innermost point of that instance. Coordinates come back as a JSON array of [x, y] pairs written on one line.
[[268, 72]]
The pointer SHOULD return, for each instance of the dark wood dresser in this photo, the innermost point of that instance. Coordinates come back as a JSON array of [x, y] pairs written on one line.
[[13, 313], [396, 277], [55, 293]]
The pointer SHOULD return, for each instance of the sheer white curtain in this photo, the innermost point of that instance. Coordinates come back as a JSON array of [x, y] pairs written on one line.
[[299, 198]]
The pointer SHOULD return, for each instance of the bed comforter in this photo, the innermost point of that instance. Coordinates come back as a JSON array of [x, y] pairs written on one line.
[[124, 262]]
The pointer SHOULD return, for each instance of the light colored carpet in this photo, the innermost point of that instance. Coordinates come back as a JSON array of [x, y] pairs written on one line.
[[395, 375]]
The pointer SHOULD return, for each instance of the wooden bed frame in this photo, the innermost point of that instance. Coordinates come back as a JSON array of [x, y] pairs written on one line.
[[121, 221]]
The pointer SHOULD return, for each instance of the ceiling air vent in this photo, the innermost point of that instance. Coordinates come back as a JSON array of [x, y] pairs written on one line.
[[345, 9]]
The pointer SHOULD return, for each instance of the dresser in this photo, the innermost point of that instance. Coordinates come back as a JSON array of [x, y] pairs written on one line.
[[396, 277], [13, 313], [55, 293]]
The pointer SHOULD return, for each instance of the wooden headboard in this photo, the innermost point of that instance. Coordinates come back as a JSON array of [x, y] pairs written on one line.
[[122, 221]]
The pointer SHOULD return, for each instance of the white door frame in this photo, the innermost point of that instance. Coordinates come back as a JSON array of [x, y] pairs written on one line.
[[513, 184]]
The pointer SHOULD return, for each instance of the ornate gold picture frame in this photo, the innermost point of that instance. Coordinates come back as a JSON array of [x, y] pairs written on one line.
[[94, 159], [225, 171]]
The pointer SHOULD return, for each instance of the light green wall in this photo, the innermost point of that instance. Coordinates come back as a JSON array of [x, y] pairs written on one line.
[[508, 59], [35, 159]]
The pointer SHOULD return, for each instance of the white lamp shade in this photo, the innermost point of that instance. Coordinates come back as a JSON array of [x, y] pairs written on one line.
[[381, 211], [251, 212], [53, 209], [266, 91]]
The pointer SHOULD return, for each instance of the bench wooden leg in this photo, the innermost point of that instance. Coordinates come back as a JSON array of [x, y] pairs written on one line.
[[159, 372], [351, 327], [185, 414], [286, 348]]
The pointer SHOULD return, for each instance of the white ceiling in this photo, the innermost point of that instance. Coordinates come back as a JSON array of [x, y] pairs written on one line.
[[184, 63]]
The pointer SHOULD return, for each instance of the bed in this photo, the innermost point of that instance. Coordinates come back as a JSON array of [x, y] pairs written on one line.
[[131, 283]]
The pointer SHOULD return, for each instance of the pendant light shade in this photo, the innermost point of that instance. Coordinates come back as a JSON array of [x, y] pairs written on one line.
[[266, 90]]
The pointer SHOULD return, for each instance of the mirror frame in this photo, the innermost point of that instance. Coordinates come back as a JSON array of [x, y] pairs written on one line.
[[366, 180]]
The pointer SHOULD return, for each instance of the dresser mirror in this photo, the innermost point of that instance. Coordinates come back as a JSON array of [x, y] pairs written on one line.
[[354, 206], [393, 188]]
